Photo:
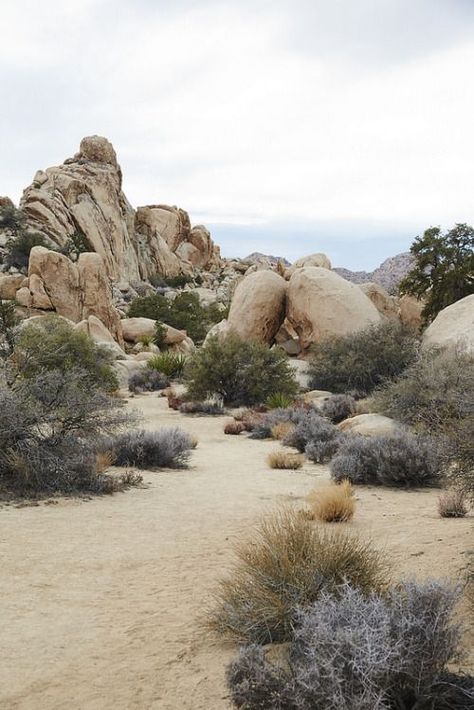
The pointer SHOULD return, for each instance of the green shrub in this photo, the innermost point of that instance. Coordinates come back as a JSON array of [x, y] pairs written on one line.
[[185, 312], [241, 372], [362, 361], [435, 396], [169, 447], [11, 218], [8, 325], [159, 337], [279, 401], [76, 244], [18, 248], [170, 364], [49, 425], [52, 344], [283, 568]]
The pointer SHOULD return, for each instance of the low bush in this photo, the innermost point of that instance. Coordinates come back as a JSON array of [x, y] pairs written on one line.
[[315, 436], [185, 312], [284, 567], [165, 448], [210, 407], [397, 460], [359, 652], [170, 364], [234, 428], [147, 380], [8, 328], [241, 372], [51, 343], [435, 395], [49, 424], [332, 504], [285, 460], [289, 417], [452, 504], [250, 419], [362, 361], [338, 407]]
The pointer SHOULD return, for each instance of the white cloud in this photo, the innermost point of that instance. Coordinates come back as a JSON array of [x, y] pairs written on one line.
[[252, 113]]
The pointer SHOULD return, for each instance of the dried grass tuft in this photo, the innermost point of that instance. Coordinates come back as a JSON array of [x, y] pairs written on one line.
[[285, 460], [332, 504]]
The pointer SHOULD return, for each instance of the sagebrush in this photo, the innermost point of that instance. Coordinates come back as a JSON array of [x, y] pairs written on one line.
[[169, 447]]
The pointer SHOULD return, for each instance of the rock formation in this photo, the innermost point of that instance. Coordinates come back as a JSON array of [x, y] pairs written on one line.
[[386, 305], [321, 303], [258, 306], [453, 327], [83, 198]]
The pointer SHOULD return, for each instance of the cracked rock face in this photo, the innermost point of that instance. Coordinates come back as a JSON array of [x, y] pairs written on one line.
[[84, 196]]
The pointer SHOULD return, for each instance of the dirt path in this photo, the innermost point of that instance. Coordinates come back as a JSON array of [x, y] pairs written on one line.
[[101, 600]]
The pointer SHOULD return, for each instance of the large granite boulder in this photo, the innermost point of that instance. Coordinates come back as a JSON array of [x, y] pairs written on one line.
[[322, 304], [453, 327], [258, 306]]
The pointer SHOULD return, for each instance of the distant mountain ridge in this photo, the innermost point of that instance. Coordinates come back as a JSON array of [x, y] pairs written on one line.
[[388, 274], [255, 257]]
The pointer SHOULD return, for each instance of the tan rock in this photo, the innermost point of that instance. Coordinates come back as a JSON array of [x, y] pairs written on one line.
[[60, 279], [453, 327], [39, 297], [258, 307], [369, 425], [9, 285], [96, 293], [322, 304], [409, 311], [145, 356], [386, 305], [219, 331], [135, 328], [320, 260], [96, 330], [23, 297]]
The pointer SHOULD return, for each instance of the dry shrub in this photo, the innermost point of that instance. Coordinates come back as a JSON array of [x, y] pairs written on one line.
[[452, 504], [103, 461], [332, 504], [234, 428], [285, 459], [251, 419], [279, 431], [282, 568]]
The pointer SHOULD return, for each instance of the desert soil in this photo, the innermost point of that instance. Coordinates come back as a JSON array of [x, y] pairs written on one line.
[[102, 600]]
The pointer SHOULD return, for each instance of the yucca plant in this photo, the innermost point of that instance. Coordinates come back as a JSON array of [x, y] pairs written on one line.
[[279, 400], [169, 364]]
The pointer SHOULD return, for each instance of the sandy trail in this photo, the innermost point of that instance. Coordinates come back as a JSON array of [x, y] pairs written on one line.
[[102, 600]]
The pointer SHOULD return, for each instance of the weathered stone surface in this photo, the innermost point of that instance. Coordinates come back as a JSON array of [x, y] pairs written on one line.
[[409, 311], [84, 196], [23, 297], [453, 327], [386, 305], [60, 278], [135, 328], [9, 285], [96, 294], [96, 330], [258, 306], [219, 331], [322, 304], [369, 425], [320, 260], [39, 297]]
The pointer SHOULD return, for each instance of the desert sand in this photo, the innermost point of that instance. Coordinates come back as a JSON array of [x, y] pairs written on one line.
[[102, 599]]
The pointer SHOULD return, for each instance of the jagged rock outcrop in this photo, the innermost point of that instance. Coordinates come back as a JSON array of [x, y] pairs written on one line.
[[388, 274], [453, 327], [84, 197], [258, 306], [321, 304]]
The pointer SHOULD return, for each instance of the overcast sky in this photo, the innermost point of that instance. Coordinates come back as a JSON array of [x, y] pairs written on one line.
[[286, 126]]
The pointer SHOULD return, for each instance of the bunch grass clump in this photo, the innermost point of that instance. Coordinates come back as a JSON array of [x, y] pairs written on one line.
[[234, 428], [333, 504], [278, 400], [284, 567], [285, 460], [211, 407], [169, 447], [281, 430], [452, 504]]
